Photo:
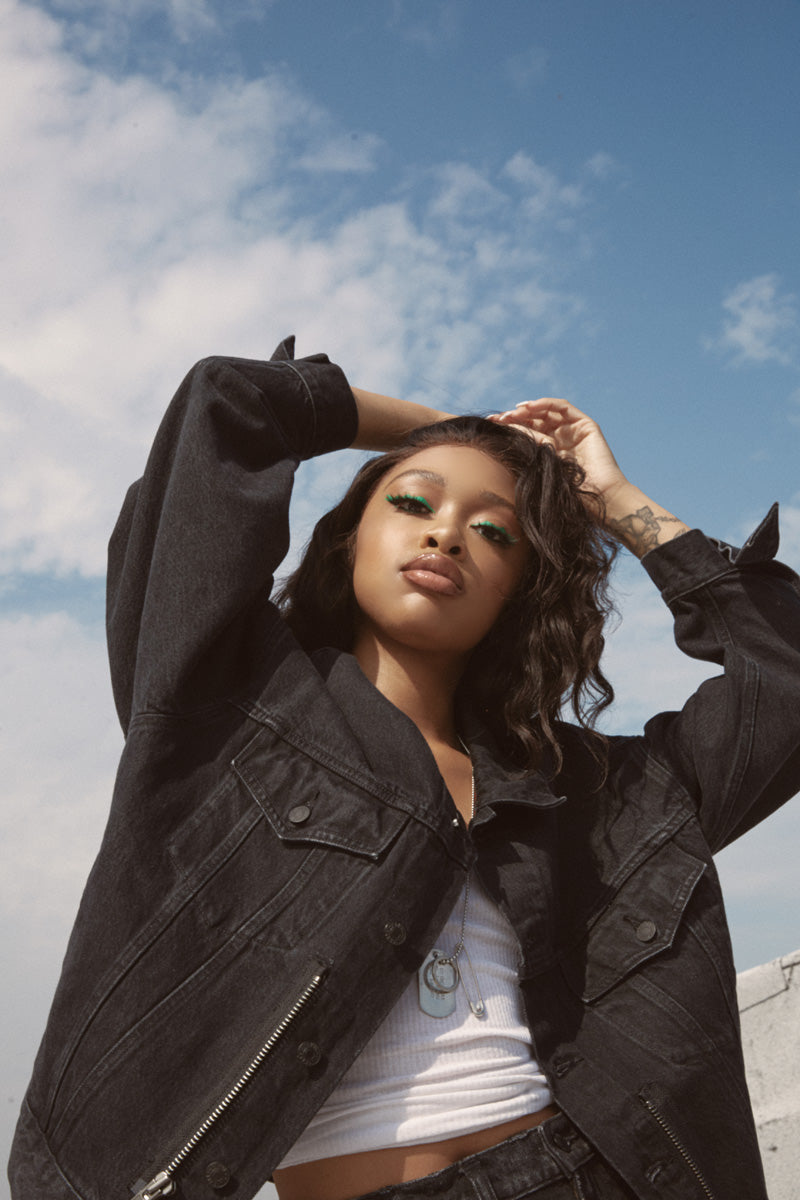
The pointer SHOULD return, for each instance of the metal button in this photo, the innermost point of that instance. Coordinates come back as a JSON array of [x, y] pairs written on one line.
[[654, 1170], [646, 931], [563, 1066], [217, 1175], [299, 814], [309, 1054], [395, 933]]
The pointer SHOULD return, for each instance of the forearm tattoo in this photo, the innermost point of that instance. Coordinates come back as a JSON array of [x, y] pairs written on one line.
[[641, 530]]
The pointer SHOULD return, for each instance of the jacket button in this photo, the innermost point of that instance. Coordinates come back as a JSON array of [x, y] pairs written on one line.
[[646, 931], [309, 1054], [299, 814], [653, 1171], [217, 1175], [395, 933]]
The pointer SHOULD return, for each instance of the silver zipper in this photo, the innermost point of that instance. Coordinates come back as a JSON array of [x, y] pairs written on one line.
[[684, 1153], [163, 1184]]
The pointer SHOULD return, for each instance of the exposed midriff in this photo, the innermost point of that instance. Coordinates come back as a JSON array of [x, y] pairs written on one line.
[[346, 1176]]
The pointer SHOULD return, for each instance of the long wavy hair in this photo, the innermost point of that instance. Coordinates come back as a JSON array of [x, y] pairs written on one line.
[[542, 655]]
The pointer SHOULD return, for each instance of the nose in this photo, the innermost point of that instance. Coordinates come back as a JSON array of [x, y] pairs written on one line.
[[447, 543]]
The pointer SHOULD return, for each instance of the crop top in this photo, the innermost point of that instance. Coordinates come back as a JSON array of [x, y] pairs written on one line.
[[424, 1079]]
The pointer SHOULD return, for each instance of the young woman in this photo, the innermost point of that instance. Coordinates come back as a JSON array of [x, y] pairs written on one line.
[[367, 915]]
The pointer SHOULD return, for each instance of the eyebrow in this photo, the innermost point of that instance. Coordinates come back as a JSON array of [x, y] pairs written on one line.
[[440, 481]]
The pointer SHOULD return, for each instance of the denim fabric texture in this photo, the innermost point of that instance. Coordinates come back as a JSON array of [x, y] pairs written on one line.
[[551, 1162], [281, 851]]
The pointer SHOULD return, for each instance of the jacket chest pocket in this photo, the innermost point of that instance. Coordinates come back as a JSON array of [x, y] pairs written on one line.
[[642, 969], [305, 802], [640, 922], [325, 834]]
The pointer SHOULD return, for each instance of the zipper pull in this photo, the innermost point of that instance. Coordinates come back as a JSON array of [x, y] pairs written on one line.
[[160, 1185]]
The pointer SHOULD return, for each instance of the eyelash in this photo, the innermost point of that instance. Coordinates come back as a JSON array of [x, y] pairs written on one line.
[[498, 535], [411, 504], [504, 538]]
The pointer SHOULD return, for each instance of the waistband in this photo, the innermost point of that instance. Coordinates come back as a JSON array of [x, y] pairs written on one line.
[[547, 1153]]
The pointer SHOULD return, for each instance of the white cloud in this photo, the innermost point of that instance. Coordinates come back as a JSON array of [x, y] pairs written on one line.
[[762, 323], [601, 165], [59, 741], [465, 194], [545, 194], [439, 26], [146, 225], [107, 19], [343, 153], [526, 68]]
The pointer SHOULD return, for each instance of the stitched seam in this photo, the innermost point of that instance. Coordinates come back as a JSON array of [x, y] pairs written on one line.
[[310, 398]]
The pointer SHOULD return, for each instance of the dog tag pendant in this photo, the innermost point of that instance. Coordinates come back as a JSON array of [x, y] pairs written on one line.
[[438, 981]]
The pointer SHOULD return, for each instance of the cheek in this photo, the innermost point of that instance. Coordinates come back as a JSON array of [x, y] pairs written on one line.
[[365, 562], [506, 576]]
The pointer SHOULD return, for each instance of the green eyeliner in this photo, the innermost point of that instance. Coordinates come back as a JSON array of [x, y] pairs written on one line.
[[408, 496], [500, 529]]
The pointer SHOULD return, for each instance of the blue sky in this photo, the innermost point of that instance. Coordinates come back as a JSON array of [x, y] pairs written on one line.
[[464, 203]]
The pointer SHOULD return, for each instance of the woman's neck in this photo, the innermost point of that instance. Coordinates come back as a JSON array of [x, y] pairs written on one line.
[[420, 683]]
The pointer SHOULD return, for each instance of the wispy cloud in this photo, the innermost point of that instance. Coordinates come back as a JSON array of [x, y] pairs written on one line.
[[544, 193], [526, 68], [602, 165], [762, 323], [463, 193], [432, 25], [104, 19], [147, 224]]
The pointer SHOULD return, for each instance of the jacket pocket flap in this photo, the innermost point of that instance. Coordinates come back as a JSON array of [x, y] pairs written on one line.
[[305, 802], [640, 921]]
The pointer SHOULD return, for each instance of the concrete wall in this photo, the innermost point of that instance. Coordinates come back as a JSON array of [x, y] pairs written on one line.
[[769, 1004]]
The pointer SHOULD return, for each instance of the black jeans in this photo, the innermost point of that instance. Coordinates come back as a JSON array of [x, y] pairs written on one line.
[[552, 1161]]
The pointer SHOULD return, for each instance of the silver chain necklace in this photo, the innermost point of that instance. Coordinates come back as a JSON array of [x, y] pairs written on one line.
[[440, 974]]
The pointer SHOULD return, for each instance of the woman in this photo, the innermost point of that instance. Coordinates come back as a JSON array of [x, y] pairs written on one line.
[[366, 914]]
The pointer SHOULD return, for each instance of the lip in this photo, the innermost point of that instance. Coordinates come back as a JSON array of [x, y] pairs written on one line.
[[435, 573]]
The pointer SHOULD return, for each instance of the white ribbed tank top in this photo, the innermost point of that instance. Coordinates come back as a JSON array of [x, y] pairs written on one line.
[[423, 1079]]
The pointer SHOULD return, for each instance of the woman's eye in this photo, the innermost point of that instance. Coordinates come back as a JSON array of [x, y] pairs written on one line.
[[410, 504], [495, 533]]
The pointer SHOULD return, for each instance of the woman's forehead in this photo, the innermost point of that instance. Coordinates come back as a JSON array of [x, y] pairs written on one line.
[[460, 467]]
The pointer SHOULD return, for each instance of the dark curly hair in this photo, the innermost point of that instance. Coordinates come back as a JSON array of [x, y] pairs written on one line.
[[543, 652]]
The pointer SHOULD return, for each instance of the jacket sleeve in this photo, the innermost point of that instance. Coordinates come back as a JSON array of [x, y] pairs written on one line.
[[195, 548], [736, 744]]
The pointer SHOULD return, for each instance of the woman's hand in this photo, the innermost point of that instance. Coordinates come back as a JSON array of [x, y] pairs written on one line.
[[630, 515], [572, 435]]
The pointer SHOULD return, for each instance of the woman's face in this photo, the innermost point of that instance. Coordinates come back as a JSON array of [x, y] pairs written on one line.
[[439, 550]]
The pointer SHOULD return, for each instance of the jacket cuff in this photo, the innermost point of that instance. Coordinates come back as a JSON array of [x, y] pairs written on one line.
[[693, 560], [334, 415]]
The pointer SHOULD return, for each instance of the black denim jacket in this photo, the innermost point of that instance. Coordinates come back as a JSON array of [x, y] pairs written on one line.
[[281, 851]]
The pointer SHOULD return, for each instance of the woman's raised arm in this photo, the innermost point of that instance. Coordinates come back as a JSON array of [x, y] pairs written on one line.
[[630, 516], [192, 558], [384, 421]]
